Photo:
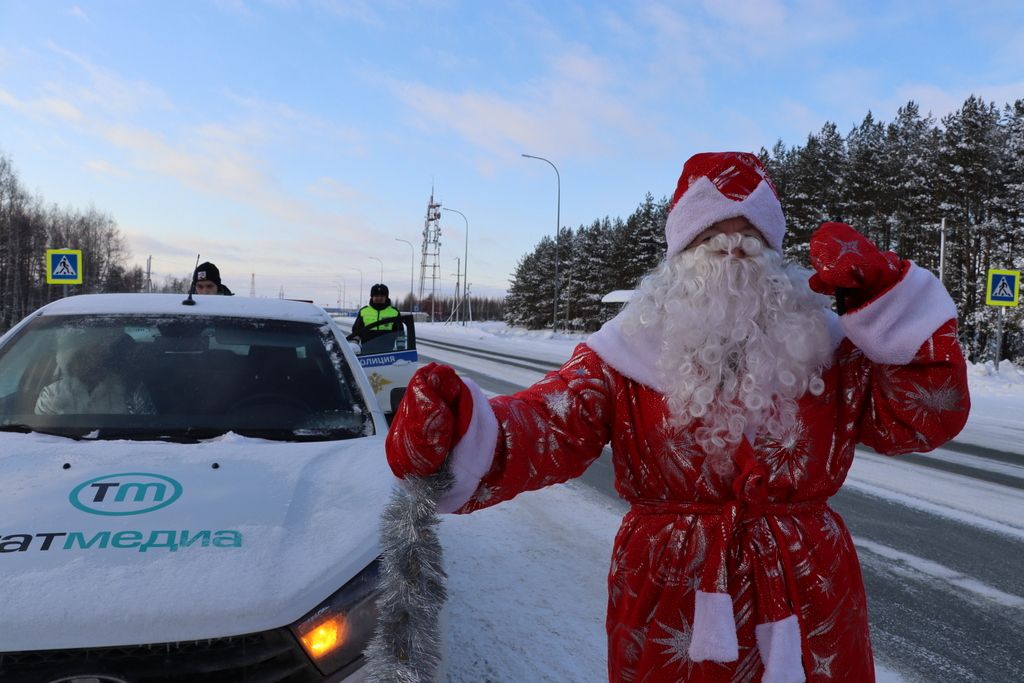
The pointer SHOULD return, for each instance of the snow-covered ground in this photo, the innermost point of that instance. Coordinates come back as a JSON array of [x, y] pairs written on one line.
[[527, 578]]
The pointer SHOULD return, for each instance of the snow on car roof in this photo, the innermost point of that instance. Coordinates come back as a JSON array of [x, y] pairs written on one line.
[[170, 304]]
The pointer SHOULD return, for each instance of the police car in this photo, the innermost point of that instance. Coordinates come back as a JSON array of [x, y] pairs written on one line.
[[386, 350], [189, 493]]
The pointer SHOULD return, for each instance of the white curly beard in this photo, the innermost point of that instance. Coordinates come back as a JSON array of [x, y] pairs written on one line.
[[742, 338]]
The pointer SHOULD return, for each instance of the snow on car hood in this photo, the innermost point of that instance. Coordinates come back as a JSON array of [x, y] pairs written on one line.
[[288, 524]]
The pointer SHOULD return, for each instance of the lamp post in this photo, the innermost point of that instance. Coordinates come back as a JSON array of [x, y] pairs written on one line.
[[381, 268], [558, 224], [455, 310], [465, 258], [360, 302], [412, 267]]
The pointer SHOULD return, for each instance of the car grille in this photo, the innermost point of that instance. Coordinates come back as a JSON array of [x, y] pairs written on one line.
[[268, 657]]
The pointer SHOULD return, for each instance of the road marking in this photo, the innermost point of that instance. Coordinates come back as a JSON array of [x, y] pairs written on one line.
[[937, 571]]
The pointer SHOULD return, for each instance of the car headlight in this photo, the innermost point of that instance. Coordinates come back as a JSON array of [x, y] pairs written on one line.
[[337, 631]]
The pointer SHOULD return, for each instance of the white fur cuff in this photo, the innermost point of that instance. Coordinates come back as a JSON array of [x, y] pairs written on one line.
[[714, 629], [472, 456], [892, 328], [778, 642]]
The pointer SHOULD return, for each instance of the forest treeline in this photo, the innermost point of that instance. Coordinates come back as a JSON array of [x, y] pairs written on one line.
[[893, 181], [29, 226]]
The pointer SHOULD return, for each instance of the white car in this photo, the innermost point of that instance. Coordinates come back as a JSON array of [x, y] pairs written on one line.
[[189, 493]]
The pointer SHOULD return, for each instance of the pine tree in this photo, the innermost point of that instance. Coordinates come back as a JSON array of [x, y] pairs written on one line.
[[969, 177], [530, 297]]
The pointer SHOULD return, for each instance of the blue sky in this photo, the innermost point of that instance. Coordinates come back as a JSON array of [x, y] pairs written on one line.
[[297, 140]]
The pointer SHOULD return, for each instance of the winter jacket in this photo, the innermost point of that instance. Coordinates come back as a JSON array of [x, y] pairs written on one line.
[[71, 396], [370, 314], [749, 576]]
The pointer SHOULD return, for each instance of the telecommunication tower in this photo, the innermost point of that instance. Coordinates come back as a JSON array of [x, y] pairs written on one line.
[[430, 259]]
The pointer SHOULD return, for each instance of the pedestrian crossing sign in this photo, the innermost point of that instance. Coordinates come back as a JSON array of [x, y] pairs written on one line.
[[64, 266], [1003, 288]]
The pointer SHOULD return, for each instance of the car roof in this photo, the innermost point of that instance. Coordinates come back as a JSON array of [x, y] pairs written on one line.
[[171, 304]]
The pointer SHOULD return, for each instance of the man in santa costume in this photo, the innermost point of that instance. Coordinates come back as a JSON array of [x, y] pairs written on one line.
[[733, 398]]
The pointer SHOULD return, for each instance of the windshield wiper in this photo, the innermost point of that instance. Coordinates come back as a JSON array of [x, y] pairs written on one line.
[[301, 435], [184, 435], [22, 428]]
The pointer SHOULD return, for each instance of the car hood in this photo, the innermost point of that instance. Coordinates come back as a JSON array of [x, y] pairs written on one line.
[[116, 542]]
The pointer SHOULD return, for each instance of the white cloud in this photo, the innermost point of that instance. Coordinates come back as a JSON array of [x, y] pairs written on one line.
[[78, 13], [44, 107], [104, 167], [573, 110], [105, 89], [266, 120], [331, 189]]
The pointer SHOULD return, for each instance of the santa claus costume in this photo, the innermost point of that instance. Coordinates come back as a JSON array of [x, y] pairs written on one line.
[[732, 398]]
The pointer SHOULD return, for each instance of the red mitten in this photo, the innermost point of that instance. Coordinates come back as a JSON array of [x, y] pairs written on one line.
[[432, 417], [849, 266]]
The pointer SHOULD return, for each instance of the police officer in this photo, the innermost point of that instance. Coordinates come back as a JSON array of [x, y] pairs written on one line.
[[379, 308]]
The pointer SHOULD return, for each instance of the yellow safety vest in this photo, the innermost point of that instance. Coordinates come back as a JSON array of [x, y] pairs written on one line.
[[369, 315]]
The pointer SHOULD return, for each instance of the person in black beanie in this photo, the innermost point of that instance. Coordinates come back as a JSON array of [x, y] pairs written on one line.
[[206, 280], [379, 308]]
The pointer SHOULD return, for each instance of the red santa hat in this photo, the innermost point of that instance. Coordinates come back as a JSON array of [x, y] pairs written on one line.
[[716, 186]]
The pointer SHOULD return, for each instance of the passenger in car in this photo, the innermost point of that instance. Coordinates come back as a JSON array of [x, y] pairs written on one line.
[[88, 379]]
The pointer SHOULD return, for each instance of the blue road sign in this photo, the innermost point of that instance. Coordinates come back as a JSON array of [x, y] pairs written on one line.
[[1003, 288], [64, 266]]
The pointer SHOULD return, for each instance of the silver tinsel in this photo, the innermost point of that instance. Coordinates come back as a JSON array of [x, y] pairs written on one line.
[[406, 646]]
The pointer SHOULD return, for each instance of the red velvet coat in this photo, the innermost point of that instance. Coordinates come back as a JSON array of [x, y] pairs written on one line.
[[765, 537]]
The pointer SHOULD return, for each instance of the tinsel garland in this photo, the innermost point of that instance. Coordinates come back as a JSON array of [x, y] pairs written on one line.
[[406, 646]]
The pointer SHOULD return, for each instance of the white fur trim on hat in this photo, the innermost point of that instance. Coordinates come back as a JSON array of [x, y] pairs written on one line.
[[703, 205]]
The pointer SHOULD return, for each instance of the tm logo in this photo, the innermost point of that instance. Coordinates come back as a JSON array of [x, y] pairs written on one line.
[[128, 493]]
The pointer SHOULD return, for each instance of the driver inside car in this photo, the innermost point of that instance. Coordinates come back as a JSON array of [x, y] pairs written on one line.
[[88, 381]]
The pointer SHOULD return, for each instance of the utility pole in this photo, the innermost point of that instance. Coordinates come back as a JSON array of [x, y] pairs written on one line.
[[149, 274], [252, 285], [455, 308], [431, 252]]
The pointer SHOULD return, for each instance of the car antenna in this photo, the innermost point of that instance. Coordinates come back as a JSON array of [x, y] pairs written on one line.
[[192, 287]]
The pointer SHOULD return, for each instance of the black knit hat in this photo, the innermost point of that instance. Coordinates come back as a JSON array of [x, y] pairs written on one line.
[[207, 271], [379, 290]]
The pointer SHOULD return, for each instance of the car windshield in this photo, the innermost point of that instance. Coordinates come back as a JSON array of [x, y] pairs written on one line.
[[179, 378]]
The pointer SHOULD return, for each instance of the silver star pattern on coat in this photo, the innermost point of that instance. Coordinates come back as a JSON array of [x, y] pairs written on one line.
[[823, 665], [851, 247], [930, 403], [787, 456], [676, 642]]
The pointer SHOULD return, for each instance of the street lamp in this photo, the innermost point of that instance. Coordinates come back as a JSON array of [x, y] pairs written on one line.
[[412, 266], [360, 302], [465, 259], [381, 268], [558, 224]]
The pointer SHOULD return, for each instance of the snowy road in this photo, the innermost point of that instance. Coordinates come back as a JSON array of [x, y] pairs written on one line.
[[940, 537]]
